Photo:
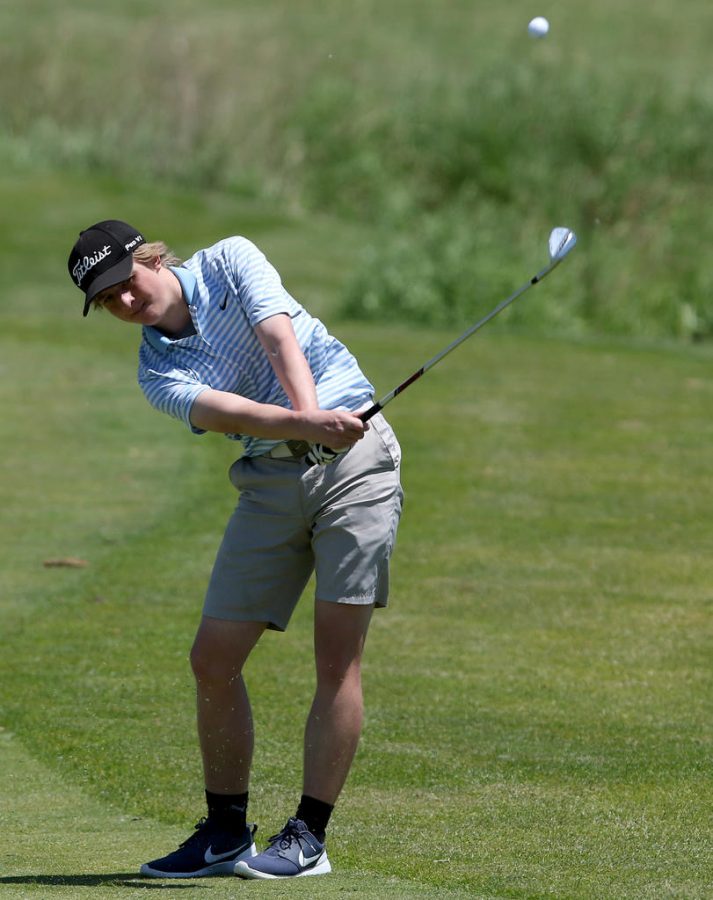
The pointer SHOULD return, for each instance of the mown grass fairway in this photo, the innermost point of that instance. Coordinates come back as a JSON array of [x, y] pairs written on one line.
[[539, 692]]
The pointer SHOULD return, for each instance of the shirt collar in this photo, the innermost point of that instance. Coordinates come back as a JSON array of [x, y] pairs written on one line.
[[189, 283]]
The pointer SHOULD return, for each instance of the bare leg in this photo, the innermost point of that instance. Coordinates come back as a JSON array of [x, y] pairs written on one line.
[[225, 727], [334, 723]]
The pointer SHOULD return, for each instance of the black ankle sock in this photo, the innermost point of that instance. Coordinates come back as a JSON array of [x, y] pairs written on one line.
[[230, 809], [315, 814]]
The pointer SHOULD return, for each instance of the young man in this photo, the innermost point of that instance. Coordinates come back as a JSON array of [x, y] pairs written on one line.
[[225, 348]]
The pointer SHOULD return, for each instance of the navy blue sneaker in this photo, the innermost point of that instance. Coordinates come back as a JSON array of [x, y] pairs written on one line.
[[210, 850], [293, 852]]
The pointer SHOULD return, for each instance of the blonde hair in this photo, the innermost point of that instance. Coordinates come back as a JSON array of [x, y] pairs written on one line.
[[150, 250]]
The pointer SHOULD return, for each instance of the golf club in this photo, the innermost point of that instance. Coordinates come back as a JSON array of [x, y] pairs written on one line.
[[561, 241]]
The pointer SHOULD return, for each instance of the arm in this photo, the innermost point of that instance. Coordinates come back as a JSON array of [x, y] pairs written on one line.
[[279, 342], [232, 414], [229, 413]]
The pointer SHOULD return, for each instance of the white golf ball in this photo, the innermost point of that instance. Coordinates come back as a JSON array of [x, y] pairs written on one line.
[[538, 27]]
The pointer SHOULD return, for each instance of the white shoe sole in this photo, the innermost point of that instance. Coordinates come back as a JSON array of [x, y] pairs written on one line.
[[323, 867]]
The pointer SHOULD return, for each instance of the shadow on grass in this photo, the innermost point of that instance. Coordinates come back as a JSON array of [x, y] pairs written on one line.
[[119, 879]]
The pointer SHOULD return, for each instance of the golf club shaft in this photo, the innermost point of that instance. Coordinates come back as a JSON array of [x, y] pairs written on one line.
[[373, 410]]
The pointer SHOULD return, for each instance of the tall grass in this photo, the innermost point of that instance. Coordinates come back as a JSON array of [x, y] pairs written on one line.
[[455, 138]]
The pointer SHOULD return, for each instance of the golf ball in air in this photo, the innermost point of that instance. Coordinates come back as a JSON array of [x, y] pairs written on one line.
[[538, 27]]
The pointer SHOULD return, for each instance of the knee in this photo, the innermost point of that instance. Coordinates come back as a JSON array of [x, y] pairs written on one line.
[[221, 648], [209, 665], [335, 674]]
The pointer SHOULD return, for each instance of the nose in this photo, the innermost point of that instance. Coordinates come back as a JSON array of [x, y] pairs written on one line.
[[127, 298]]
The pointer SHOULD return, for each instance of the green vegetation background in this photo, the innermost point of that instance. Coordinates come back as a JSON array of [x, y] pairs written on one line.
[[442, 126], [539, 693]]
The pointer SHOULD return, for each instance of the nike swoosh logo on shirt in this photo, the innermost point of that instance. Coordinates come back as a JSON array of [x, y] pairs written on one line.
[[211, 857]]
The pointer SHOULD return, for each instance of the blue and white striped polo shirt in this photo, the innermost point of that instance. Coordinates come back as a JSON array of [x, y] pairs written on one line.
[[229, 288]]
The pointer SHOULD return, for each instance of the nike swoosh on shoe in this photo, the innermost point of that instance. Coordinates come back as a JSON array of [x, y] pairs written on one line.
[[308, 860], [211, 857]]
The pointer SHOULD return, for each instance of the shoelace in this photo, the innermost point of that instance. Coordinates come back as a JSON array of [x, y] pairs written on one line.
[[291, 832]]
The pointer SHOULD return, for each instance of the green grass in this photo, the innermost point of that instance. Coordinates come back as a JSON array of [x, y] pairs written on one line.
[[538, 693]]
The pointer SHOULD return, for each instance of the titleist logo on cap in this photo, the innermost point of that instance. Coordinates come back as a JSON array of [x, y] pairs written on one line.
[[87, 263]]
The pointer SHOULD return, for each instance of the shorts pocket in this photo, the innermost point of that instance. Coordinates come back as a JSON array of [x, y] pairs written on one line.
[[237, 473], [388, 439]]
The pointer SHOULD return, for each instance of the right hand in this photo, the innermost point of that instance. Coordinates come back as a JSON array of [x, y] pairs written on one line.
[[334, 429]]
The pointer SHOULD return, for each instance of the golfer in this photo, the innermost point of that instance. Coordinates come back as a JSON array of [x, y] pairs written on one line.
[[225, 348]]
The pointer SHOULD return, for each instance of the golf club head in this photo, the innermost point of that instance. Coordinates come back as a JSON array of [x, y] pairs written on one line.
[[562, 240]]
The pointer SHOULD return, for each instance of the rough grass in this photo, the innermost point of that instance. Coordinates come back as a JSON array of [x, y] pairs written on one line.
[[457, 137]]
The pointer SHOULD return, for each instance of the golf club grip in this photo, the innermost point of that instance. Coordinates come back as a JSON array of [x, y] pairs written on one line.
[[369, 413]]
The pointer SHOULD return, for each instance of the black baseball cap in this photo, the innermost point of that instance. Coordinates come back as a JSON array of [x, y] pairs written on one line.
[[102, 257]]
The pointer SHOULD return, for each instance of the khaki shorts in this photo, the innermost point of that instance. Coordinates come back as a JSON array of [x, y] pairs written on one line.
[[338, 521]]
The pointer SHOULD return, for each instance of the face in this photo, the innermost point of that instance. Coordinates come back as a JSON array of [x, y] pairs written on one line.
[[143, 299]]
